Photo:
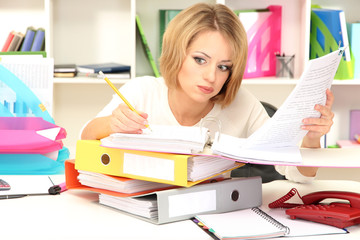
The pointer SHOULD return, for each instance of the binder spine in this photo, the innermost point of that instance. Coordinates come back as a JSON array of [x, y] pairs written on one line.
[[272, 220]]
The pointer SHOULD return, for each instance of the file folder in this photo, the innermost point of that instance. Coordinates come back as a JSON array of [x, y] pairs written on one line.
[[165, 168], [72, 182], [214, 197]]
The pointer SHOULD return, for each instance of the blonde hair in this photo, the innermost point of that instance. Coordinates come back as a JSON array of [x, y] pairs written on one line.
[[184, 28]]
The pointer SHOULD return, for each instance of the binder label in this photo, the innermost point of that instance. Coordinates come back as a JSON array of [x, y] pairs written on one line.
[[192, 203], [151, 167]]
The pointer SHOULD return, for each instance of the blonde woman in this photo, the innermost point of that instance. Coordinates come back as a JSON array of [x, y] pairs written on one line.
[[202, 63]]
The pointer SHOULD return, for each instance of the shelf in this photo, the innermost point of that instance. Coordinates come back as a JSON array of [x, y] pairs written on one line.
[[84, 80]]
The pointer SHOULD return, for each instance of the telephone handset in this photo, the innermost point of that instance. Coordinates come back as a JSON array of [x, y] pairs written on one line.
[[338, 214]]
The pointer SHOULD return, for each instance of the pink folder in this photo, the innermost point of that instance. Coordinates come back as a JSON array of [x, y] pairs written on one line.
[[29, 135]]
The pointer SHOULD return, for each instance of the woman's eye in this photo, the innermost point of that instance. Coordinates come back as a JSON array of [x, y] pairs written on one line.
[[223, 67], [199, 60]]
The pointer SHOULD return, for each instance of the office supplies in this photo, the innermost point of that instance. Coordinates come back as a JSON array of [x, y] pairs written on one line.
[[357, 137], [348, 143], [57, 189], [19, 100], [110, 67], [338, 214], [120, 95], [146, 47], [354, 123], [165, 168], [353, 30], [329, 32], [184, 203], [4, 185], [263, 29], [29, 135], [258, 223], [26, 185]]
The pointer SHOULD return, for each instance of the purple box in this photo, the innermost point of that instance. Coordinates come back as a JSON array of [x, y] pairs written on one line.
[[354, 123]]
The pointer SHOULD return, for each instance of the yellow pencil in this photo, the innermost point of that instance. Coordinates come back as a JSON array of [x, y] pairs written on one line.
[[120, 95]]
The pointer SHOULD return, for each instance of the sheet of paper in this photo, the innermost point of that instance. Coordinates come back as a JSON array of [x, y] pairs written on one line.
[[284, 128]]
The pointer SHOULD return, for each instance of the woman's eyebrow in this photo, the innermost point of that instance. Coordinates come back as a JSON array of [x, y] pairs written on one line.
[[210, 57]]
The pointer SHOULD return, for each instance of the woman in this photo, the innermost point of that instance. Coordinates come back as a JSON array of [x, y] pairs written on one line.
[[202, 63]]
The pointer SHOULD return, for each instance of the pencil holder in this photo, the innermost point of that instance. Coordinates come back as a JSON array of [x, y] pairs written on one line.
[[285, 66]]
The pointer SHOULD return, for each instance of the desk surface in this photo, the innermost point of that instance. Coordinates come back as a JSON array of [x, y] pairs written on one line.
[[77, 214]]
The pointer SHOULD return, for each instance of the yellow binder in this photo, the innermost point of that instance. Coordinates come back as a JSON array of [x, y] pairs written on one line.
[[166, 168]]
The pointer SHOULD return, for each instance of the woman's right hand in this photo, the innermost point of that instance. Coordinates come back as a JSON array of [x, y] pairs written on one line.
[[124, 120]]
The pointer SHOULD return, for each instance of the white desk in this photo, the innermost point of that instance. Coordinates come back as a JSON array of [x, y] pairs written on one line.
[[77, 215]]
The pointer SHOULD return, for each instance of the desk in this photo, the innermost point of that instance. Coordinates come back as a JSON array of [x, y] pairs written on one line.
[[76, 214]]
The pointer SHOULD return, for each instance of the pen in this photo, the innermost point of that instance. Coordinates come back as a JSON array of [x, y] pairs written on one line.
[[120, 95], [12, 196], [56, 189]]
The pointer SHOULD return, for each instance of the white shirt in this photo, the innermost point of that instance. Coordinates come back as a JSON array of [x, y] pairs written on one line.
[[240, 119]]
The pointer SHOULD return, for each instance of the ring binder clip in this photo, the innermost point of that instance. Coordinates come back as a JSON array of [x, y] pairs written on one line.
[[218, 124]]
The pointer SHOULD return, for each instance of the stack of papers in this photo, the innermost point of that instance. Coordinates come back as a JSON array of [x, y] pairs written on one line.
[[117, 184], [179, 139], [144, 206]]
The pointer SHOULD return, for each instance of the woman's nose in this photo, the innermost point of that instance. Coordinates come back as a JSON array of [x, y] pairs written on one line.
[[210, 73]]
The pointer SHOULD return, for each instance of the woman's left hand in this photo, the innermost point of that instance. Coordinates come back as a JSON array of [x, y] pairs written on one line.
[[318, 127]]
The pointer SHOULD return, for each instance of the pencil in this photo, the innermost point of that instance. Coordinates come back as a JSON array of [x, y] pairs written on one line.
[[120, 95]]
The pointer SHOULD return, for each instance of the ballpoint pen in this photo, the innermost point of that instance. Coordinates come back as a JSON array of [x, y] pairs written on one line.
[[56, 189], [13, 196], [120, 95]]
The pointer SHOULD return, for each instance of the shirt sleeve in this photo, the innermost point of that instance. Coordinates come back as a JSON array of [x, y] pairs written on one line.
[[292, 173]]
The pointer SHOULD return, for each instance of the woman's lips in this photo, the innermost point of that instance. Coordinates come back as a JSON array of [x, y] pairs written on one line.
[[206, 90]]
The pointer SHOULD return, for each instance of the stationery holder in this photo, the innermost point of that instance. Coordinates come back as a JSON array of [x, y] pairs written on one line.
[[24, 163]]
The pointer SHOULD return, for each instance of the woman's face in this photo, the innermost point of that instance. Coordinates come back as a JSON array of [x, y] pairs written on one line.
[[206, 67]]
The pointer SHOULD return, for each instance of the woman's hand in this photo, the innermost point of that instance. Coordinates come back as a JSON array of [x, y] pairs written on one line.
[[124, 120], [318, 127]]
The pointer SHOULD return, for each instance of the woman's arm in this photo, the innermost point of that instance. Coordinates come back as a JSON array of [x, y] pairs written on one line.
[[317, 127], [122, 120]]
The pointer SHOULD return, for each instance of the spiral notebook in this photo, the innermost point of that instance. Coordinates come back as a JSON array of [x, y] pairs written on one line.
[[254, 223]]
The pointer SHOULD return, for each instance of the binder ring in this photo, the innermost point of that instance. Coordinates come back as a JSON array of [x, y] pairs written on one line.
[[211, 119]]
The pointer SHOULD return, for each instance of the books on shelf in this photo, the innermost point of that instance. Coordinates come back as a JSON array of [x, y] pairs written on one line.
[[28, 39], [255, 223], [166, 15], [119, 75], [329, 32], [354, 38], [8, 41], [64, 70], [16, 42], [39, 40], [109, 67], [146, 47]]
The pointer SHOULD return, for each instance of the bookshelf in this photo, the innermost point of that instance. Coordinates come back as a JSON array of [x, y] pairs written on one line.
[[86, 31]]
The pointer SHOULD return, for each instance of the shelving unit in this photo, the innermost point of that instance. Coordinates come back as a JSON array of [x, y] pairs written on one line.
[[89, 31]]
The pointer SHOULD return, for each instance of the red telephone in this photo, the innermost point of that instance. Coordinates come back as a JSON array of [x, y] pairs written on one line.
[[336, 214]]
